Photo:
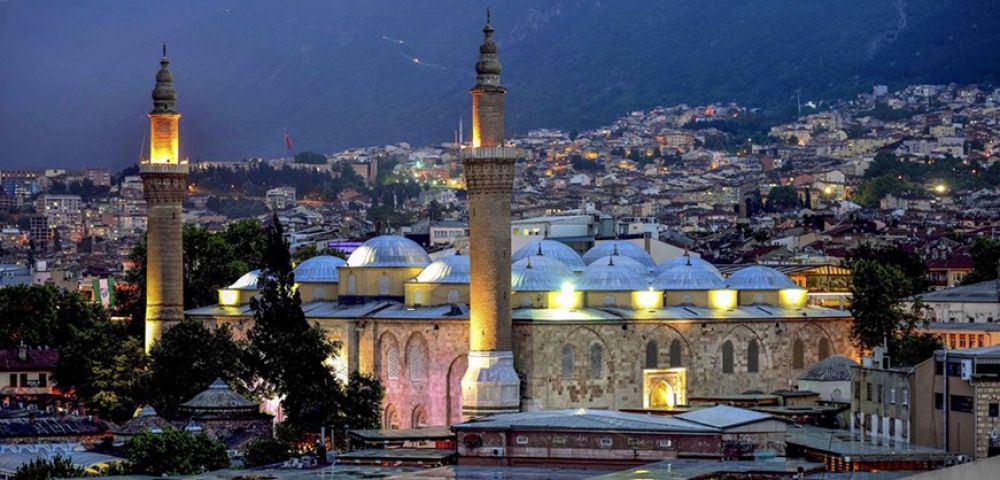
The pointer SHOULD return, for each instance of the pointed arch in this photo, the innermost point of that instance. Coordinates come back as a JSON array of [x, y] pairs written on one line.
[[678, 347], [390, 420], [418, 418], [567, 362], [596, 360], [824, 348], [676, 353], [389, 358], [753, 356], [798, 354], [727, 356], [456, 370]]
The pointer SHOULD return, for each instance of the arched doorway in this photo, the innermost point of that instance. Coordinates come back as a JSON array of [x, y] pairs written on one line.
[[662, 396]]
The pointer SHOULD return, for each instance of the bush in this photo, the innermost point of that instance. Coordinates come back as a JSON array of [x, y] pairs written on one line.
[[174, 452], [46, 469], [266, 451]]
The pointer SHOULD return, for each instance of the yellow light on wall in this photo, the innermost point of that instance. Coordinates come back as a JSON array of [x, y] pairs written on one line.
[[792, 297], [648, 299], [722, 299], [229, 297], [566, 298], [163, 138]]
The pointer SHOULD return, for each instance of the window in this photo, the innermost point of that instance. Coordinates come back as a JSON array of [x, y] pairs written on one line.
[[416, 357], [981, 337], [392, 363], [13, 380], [675, 353], [609, 300], [352, 285], [687, 299], [43, 380], [522, 440], [606, 442], [383, 285], [857, 390], [753, 356], [961, 341], [799, 354], [824, 348], [319, 294], [868, 391], [596, 361], [453, 296], [651, 354], [892, 394], [727, 357], [906, 396], [665, 443], [938, 401], [418, 298], [567, 361], [994, 410], [962, 403], [24, 379]]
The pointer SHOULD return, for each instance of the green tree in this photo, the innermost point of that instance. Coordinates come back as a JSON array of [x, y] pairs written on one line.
[[912, 348], [43, 315], [48, 469], [310, 251], [782, 198], [266, 451], [985, 254], [180, 368], [174, 452], [104, 367], [909, 263], [875, 290], [310, 158]]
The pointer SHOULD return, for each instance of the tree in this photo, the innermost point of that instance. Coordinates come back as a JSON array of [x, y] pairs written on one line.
[[782, 198], [266, 451], [909, 263], [43, 315], [47, 469], [310, 158], [875, 290], [290, 354], [985, 254], [913, 348], [174, 452], [310, 251], [180, 368]]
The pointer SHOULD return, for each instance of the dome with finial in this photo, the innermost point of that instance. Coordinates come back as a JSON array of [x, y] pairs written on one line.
[[164, 96], [219, 398], [553, 249], [620, 248], [687, 259], [539, 274], [613, 274]]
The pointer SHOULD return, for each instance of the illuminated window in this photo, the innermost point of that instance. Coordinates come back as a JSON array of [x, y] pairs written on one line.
[[567, 361], [596, 361], [416, 358], [753, 356], [798, 354], [651, 354], [727, 357]]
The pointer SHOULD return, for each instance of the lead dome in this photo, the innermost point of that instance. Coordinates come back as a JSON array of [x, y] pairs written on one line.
[[618, 247], [552, 249], [687, 277], [539, 274], [612, 276], [450, 269], [758, 277], [389, 251], [319, 269], [685, 260]]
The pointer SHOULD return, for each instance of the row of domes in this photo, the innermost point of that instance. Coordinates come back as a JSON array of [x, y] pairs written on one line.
[[545, 265]]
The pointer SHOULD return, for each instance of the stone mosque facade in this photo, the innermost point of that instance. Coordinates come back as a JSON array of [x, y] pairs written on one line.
[[542, 327]]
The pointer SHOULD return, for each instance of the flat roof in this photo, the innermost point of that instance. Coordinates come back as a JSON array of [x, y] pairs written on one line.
[[470, 472], [724, 416], [982, 292], [583, 419], [397, 435], [679, 469], [409, 455], [843, 444], [964, 326]]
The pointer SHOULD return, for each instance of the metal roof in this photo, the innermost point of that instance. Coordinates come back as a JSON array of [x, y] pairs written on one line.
[[319, 269], [389, 251], [982, 292], [585, 420], [619, 247], [836, 368], [449, 269], [688, 277], [618, 274], [686, 260], [458, 311], [219, 397], [247, 282], [539, 274], [759, 277], [551, 249], [723, 416]]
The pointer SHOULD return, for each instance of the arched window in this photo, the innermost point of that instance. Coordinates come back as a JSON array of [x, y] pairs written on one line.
[[727, 357], [391, 356], [824, 348], [798, 354], [676, 353], [753, 356], [596, 361], [453, 296], [758, 298], [568, 361], [687, 299], [319, 294], [352, 285], [416, 358], [418, 298], [419, 417], [609, 300], [525, 301], [383, 284], [651, 354], [390, 420]]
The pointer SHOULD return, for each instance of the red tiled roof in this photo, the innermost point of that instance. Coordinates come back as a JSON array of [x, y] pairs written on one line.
[[36, 359]]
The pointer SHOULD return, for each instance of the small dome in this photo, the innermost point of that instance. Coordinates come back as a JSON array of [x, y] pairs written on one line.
[[319, 269], [623, 262], [553, 249], [247, 282], [759, 277], [687, 277], [613, 276], [389, 251], [684, 260], [836, 368], [539, 274], [619, 247], [218, 397], [450, 269]]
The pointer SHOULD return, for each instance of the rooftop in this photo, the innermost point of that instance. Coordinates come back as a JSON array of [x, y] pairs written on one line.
[[723, 416], [585, 420], [982, 292]]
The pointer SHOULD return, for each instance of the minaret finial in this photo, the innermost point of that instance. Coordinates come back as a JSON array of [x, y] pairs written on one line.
[[164, 49], [487, 15], [529, 262]]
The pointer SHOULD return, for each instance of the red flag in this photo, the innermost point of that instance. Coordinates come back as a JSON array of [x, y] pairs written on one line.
[[288, 140]]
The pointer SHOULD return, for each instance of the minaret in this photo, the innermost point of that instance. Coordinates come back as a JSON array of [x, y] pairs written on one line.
[[490, 384], [164, 181]]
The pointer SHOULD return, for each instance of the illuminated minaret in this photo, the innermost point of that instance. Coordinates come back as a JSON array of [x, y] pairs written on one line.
[[490, 384], [164, 181]]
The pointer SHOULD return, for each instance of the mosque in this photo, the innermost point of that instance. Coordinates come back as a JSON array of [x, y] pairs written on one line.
[[544, 327]]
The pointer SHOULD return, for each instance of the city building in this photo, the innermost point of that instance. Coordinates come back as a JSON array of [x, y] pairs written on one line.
[[26, 376], [280, 198], [964, 317]]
